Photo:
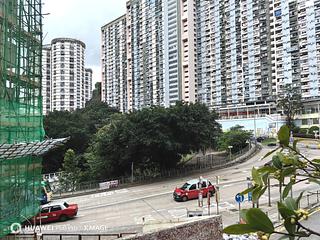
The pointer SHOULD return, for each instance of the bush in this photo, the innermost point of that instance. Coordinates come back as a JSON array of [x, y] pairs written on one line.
[[312, 129], [303, 135], [303, 130]]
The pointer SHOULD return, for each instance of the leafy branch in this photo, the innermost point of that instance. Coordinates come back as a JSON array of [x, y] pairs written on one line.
[[283, 167]]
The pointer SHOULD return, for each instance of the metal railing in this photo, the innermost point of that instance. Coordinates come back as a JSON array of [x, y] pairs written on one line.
[[68, 236]]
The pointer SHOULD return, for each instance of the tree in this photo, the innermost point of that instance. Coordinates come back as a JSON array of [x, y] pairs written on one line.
[[235, 137], [292, 168], [79, 125], [71, 173], [290, 103], [153, 138]]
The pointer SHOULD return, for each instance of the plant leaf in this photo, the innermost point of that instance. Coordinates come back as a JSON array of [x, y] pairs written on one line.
[[259, 220], [247, 190], [291, 203], [256, 176], [276, 162], [291, 228], [269, 153], [288, 171], [299, 198], [267, 169], [287, 189], [256, 193], [284, 211], [240, 229], [283, 135]]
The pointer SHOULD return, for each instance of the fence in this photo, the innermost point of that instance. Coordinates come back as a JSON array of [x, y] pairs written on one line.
[[202, 164], [66, 236]]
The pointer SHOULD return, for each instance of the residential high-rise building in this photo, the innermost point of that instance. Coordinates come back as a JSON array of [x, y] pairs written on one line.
[[231, 55], [46, 79], [66, 83], [145, 74], [114, 64], [87, 84]]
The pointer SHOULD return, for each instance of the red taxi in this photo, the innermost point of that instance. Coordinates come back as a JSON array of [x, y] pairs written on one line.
[[56, 212], [192, 188]]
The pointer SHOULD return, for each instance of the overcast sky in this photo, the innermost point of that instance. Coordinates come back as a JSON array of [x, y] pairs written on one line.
[[81, 19]]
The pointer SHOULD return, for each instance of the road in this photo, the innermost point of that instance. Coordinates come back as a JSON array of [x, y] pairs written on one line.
[[126, 209]]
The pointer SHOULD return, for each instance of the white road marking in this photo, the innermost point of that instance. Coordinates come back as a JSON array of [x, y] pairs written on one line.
[[159, 210], [88, 221], [178, 213], [228, 185]]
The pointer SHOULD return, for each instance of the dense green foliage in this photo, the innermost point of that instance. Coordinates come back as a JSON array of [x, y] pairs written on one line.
[[71, 173], [106, 142], [235, 137], [79, 125], [288, 169], [153, 138]]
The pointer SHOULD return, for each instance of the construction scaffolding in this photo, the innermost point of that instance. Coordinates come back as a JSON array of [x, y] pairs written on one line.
[[21, 118]]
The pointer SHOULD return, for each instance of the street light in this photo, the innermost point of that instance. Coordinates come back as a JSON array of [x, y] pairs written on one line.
[[230, 147]]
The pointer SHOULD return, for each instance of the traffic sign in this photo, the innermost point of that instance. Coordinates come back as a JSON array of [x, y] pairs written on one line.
[[239, 198]]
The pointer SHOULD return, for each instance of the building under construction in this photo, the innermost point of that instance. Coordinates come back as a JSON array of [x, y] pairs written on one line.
[[21, 124]]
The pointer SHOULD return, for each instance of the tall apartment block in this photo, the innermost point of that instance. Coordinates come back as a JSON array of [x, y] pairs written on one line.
[[46, 79], [234, 56], [87, 84], [114, 64], [66, 83]]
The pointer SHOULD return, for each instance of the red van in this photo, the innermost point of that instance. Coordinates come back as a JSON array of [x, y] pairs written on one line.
[[191, 189]]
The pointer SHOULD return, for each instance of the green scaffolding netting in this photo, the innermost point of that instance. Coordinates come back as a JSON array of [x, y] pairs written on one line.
[[20, 108]]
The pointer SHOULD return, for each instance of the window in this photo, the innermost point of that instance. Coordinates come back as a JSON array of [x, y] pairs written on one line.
[[193, 187], [55, 208], [45, 210], [204, 185]]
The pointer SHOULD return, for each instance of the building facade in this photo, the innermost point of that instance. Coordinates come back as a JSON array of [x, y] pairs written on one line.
[[87, 84], [66, 83], [114, 64], [46, 79], [234, 56]]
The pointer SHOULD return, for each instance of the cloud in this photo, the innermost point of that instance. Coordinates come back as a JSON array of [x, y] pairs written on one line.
[[81, 19]]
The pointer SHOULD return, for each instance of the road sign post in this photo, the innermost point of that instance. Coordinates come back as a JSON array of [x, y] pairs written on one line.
[[239, 199]]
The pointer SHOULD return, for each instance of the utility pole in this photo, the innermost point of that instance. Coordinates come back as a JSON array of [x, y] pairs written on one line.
[[132, 172]]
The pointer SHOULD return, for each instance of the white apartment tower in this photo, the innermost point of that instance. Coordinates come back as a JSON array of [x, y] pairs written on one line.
[[114, 64], [66, 83], [87, 84], [46, 79], [231, 55]]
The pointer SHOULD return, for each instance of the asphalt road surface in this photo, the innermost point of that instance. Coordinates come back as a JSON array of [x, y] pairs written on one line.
[[124, 210]]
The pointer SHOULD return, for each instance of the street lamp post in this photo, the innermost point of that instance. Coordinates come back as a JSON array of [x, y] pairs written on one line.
[[230, 147], [132, 172]]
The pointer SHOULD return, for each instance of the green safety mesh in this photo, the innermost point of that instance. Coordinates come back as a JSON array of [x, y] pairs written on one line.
[[20, 108]]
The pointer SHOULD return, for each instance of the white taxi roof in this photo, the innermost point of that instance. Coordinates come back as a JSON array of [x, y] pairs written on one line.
[[195, 181], [52, 204]]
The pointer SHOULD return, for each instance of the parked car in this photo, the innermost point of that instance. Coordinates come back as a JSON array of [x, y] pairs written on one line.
[[192, 188], [55, 212]]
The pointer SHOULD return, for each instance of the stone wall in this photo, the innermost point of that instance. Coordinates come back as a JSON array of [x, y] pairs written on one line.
[[203, 228]]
